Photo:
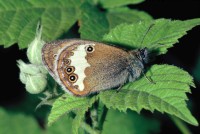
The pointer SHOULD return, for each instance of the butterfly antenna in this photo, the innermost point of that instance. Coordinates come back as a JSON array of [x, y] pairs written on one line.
[[146, 33]]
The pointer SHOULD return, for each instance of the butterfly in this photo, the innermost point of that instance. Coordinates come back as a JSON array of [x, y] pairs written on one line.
[[83, 67]]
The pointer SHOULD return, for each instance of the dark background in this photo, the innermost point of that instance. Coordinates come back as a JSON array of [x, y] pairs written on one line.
[[184, 55]]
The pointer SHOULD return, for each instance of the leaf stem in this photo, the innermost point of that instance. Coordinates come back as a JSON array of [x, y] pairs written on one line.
[[181, 125], [103, 117], [89, 129]]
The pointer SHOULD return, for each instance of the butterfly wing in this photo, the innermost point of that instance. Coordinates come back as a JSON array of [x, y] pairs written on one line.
[[102, 68], [50, 52], [108, 68]]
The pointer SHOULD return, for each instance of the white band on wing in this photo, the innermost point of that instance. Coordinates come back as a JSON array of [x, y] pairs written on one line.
[[78, 60]]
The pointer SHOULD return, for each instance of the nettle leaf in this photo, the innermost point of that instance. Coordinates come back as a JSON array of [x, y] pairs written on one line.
[[93, 2], [79, 118], [129, 123], [117, 3], [167, 95], [62, 126], [18, 19], [121, 15], [93, 23], [17, 123], [68, 103], [80, 115], [157, 35]]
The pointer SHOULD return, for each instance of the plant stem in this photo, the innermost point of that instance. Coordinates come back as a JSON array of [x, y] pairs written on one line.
[[181, 125], [89, 129], [103, 117]]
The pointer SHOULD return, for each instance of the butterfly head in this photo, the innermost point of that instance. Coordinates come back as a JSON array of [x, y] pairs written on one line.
[[143, 55], [140, 54]]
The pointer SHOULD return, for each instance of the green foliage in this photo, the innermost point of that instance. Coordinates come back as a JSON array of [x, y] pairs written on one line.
[[116, 24], [13, 123], [133, 123], [157, 35], [18, 19], [62, 126], [117, 3], [121, 15], [90, 28], [19, 123], [166, 95], [68, 103], [95, 23]]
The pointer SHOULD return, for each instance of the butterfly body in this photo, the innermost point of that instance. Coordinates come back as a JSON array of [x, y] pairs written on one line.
[[83, 67]]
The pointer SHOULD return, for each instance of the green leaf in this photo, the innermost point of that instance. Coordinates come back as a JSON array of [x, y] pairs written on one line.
[[64, 125], [157, 35], [17, 123], [80, 115], [68, 103], [18, 19], [121, 15], [129, 123], [167, 95], [117, 3], [79, 118], [93, 23], [93, 2]]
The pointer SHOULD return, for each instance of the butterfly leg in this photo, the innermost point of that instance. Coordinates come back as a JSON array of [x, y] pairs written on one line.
[[119, 88]]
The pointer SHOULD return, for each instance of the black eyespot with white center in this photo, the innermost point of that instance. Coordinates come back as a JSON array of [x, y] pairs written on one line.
[[89, 49], [69, 69], [73, 78]]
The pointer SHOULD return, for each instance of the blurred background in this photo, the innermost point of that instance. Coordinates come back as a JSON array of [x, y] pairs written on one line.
[[185, 54]]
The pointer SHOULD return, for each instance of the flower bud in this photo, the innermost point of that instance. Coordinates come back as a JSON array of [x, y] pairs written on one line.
[[28, 68], [36, 83], [33, 76], [35, 48], [22, 77]]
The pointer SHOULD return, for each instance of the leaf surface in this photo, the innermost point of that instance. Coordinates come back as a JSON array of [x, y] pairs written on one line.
[[129, 123], [167, 95], [17, 123], [68, 103], [19, 19], [117, 3], [94, 24], [121, 15], [157, 35]]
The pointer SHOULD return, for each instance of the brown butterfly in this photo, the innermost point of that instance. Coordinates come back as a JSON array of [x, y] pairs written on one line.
[[83, 67]]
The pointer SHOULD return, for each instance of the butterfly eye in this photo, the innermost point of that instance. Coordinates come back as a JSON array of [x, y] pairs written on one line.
[[89, 49], [69, 70], [143, 54], [73, 78]]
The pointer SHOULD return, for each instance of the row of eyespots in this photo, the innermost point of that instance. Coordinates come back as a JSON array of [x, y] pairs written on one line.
[[69, 70]]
